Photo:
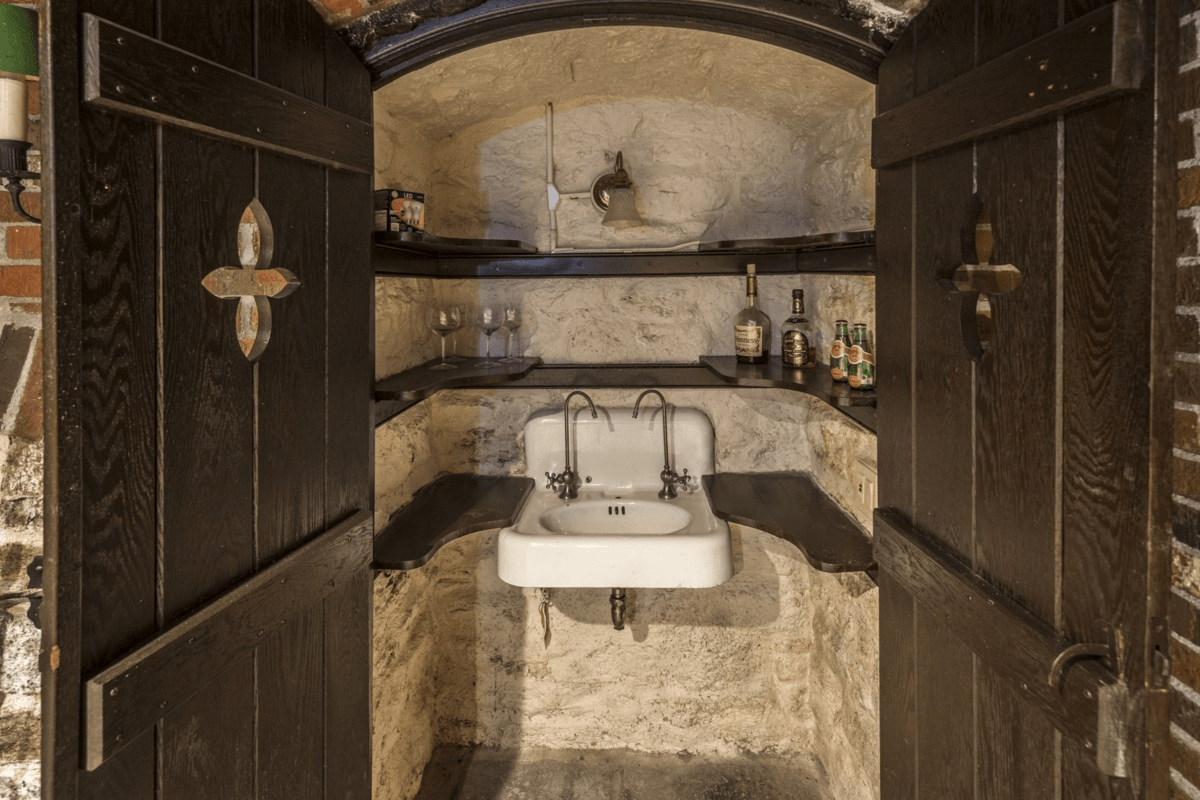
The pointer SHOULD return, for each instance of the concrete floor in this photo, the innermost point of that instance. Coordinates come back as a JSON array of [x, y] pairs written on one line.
[[469, 774]]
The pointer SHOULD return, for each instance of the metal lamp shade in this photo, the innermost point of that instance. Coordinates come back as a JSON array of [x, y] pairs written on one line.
[[18, 41], [622, 209]]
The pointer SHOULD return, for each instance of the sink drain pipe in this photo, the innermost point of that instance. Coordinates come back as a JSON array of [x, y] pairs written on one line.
[[617, 601]]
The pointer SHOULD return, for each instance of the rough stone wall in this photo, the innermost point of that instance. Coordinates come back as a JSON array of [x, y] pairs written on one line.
[[740, 668], [671, 320], [1185, 606], [723, 138], [21, 487], [780, 660]]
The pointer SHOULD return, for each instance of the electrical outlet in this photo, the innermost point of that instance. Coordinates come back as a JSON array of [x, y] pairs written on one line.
[[865, 485]]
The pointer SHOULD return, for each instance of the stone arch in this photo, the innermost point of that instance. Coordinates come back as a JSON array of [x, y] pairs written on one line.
[[399, 39]]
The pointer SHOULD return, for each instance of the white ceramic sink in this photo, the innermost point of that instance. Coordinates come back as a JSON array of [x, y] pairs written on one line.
[[618, 533]]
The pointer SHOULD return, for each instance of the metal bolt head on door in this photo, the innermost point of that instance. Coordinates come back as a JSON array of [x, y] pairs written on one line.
[[254, 284]]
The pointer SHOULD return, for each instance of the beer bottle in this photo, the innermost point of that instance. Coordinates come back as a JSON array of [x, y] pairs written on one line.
[[839, 352], [862, 362]]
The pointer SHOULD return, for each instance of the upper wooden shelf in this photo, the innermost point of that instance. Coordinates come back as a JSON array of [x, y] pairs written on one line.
[[815, 381], [428, 256], [399, 392]]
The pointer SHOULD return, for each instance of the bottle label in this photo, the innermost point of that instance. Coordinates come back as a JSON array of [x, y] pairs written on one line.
[[748, 340], [837, 350], [795, 349], [856, 354]]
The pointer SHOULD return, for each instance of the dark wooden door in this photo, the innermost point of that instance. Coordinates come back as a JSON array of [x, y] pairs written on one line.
[[1024, 399], [208, 487]]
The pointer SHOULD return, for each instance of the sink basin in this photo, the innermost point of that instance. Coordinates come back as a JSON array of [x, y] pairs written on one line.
[[616, 516], [618, 533]]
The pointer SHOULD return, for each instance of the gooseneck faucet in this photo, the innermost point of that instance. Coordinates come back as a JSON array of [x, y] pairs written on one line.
[[565, 482], [668, 475]]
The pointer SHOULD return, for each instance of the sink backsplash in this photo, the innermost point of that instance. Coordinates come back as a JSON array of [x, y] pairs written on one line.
[[482, 431]]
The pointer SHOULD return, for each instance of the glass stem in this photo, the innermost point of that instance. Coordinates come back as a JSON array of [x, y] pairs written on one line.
[[443, 338]]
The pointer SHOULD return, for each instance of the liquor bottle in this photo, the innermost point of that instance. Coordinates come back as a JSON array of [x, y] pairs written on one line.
[[839, 352], [751, 327], [862, 362], [854, 354], [796, 335]]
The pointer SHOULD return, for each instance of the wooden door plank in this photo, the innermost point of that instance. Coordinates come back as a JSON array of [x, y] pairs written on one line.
[[1016, 483], [291, 706], [349, 367], [291, 53], [291, 440], [220, 31], [349, 612], [208, 741], [894, 321], [138, 75], [1015, 644], [1096, 57], [1107, 269], [897, 691], [134, 693], [208, 475]]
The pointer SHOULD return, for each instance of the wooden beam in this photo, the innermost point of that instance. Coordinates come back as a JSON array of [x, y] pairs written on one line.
[[133, 694], [128, 72], [1015, 645], [1096, 56]]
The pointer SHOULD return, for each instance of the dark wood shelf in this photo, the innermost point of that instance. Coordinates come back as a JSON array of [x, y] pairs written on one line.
[[405, 389], [403, 254], [428, 244], [859, 405], [791, 506], [450, 507], [399, 392], [784, 504]]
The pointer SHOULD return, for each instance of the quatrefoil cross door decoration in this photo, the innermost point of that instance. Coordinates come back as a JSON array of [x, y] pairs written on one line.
[[255, 283], [978, 283]]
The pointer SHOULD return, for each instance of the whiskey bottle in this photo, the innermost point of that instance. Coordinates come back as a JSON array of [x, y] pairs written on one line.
[[796, 336], [752, 327], [839, 352]]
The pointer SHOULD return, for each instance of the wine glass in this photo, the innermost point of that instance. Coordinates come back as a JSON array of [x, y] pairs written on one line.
[[512, 321], [443, 320], [464, 315], [488, 318]]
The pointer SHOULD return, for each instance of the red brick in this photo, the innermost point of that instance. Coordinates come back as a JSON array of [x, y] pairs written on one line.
[[1187, 334], [30, 201], [34, 104], [1185, 139], [343, 6], [1188, 181], [24, 242], [1186, 431], [1187, 382], [1186, 477], [1185, 238], [1188, 94], [29, 414], [21, 281], [28, 308]]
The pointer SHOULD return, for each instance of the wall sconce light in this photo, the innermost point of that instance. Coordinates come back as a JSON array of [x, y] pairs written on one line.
[[18, 63], [612, 193]]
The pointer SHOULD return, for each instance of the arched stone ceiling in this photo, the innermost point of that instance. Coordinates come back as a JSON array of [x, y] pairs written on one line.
[[592, 66], [395, 37]]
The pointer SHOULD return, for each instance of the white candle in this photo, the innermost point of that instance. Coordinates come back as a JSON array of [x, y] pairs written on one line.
[[13, 113]]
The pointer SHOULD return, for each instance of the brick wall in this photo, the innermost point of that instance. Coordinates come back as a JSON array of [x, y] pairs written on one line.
[[1185, 593], [20, 479]]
